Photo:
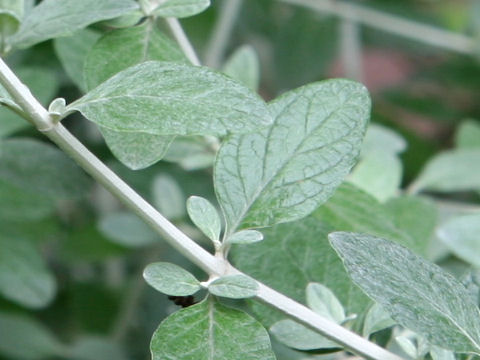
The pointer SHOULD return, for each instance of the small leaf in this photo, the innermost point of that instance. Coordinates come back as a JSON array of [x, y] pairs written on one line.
[[171, 279], [55, 18], [245, 237], [180, 8], [407, 346], [455, 170], [299, 337], [11, 14], [205, 217], [24, 277], [22, 337], [244, 66], [234, 287], [418, 294], [168, 197], [468, 134], [165, 98], [285, 172], [382, 139], [324, 302], [191, 153], [462, 237], [57, 107], [438, 353], [211, 331], [376, 319], [126, 229]]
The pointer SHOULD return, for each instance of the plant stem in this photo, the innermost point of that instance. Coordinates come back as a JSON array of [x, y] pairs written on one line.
[[211, 264], [221, 32], [182, 40]]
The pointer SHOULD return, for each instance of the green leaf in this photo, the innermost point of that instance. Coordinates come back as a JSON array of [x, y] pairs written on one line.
[[168, 197], [95, 347], [43, 84], [171, 279], [72, 51], [324, 302], [382, 139], [438, 353], [289, 258], [407, 346], [245, 237], [204, 215], [135, 44], [284, 172], [180, 8], [461, 236], [418, 294], [24, 278], [299, 337], [211, 331], [234, 287], [455, 170], [379, 174], [126, 229], [351, 209], [11, 14], [55, 18], [468, 134], [22, 337], [191, 153], [38, 167], [244, 66], [376, 319], [167, 98]]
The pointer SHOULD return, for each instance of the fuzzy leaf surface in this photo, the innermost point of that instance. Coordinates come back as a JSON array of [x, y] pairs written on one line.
[[166, 98], [284, 172], [181, 8], [211, 331], [55, 18], [299, 337], [245, 237], [170, 279], [244, 66], [234, 287], [204, 215], [24, 277], [418, 294]]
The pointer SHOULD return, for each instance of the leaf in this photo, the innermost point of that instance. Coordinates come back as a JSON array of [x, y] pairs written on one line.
[[438, 353], [461, 236], [407, 346], [204, 215], [418, 294], [382, 139], [72, 51], [191, 153], [168, 197], [24, 278], [22, 337], [284, 172], [234, 287], [11, 14], [180, 8], [244, 66], [299, 337], [244, 237], [170, 279], [468, 135], [351, 209], [96, 347], [324, 302], [55, 18], [454, 170], [211, 331], [43, 84], [126, 229], [135, 44], [38, 167], [376, 319], [167, 98], [289, 258], [379, 174]]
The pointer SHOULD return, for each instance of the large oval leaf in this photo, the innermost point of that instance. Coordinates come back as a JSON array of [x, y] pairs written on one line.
[[166, 98], [284, 172], [211, 331], [418, 294]]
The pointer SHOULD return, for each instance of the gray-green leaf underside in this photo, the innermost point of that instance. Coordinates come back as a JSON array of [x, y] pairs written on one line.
[[166, 98], [171, 279], [55, 18], [234, 286], [210, 331], [284, 172], [418, 294], [181, 8]]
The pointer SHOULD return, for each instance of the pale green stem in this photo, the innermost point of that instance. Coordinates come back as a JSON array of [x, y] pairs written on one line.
[[211, 264], [182, 40], [221, 33]]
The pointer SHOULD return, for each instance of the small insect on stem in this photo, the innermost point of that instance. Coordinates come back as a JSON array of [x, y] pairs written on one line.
[[183, 301]]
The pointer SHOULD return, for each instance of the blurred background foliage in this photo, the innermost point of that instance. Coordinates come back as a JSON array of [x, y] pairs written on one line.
[[99, 306]]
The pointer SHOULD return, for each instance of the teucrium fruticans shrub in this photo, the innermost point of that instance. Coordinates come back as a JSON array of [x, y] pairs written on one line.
[[279, 171]]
